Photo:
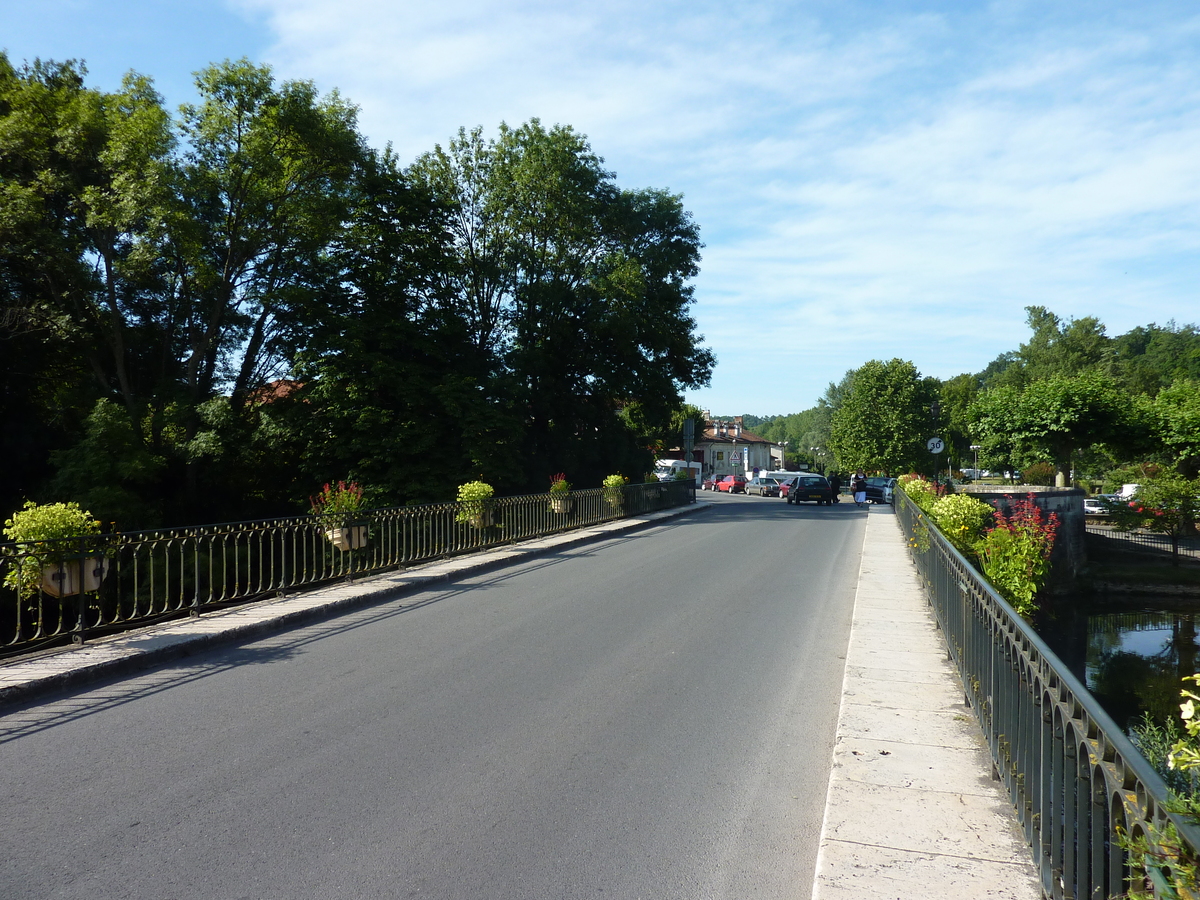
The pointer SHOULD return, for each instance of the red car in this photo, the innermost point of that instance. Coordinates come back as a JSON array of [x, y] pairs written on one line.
[[732, 484]]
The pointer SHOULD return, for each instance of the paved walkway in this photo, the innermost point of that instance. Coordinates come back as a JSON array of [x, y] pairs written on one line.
[[912, 810]]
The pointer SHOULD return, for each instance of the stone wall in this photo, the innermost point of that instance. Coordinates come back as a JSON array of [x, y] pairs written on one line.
[[1070, 553]]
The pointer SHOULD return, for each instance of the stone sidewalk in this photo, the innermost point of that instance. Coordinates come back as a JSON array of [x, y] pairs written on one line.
[[912, 811]]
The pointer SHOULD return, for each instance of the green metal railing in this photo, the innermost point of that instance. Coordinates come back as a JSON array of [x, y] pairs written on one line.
[[55, 592], [1075, 779]]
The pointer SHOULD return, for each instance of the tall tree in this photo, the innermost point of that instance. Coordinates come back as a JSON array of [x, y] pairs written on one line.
[[884, 419], [82, 175], [1053, 418], [577, 292]]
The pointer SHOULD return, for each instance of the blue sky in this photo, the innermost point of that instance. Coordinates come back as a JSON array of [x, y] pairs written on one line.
[[872, 180]]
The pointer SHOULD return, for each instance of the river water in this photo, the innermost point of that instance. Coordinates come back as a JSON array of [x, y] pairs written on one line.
[[1130, 651]]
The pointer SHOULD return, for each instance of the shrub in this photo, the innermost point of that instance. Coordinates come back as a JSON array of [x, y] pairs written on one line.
[[1041, 473], [1015, 554], [921, 492], [962, 519], [559, 484]]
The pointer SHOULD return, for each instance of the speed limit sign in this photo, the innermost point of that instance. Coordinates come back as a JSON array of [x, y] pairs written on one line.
[[935, 445]]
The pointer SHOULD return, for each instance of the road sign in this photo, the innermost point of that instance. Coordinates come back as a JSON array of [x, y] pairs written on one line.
[[935, 445], [735, 458]]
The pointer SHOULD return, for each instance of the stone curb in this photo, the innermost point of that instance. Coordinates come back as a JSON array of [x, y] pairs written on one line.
[[29, 678]]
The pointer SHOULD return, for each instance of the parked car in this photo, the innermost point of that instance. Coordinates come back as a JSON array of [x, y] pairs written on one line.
[[881, 490], [709, 483], [810, 487], [732, 484], [763, 486], [1094, 506]]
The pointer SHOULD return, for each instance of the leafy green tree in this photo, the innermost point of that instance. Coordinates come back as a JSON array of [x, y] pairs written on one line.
[[81, 175], [575, 291], [955, 397], [884, 420], [1177, 414], [1053, 419], [1152, 357], [1057, 347]]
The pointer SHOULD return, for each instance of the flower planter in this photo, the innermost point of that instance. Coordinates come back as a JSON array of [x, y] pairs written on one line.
[[349, 537], [481, 519], [74, 576], [561, 504]]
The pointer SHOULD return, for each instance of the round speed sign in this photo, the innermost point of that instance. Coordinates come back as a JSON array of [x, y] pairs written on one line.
[[935, 445]]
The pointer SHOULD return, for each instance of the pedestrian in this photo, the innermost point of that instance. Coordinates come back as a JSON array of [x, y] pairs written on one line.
[[835, 486], [859, 486]]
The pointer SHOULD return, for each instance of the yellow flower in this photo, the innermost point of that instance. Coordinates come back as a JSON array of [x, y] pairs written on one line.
[[1187, 710]]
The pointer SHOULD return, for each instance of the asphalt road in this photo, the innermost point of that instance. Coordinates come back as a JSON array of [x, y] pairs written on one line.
[[650, 716]]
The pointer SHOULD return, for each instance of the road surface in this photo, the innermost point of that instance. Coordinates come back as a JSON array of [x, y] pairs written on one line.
[[650, 716]]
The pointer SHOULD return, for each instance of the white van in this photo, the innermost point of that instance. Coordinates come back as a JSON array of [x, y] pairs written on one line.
[[665, 469]]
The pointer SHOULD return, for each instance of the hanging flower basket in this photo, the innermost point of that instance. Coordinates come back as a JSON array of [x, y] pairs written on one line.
[[614, 491], [475, 504], [74, 576], [561, 500], [481, 519], [347, 537], [61, 550], [336, 508]]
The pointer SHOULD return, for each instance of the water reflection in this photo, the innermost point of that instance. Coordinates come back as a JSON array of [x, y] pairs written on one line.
[[1132, 657]]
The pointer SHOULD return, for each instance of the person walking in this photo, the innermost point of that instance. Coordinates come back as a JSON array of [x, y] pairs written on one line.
[[835, 486], [859, 486]]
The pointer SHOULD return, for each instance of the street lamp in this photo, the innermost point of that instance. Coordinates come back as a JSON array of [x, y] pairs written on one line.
[[783, 455], [977, 448]]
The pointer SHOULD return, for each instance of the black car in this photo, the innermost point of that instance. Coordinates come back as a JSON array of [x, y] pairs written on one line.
[[810, 487], [880, 490]]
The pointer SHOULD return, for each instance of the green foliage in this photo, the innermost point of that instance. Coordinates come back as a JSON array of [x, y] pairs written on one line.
[[110, 470], [922, 492], [1015, 554], [1174, 752], [52, 527], [962, 519], [576, 287], [884, 420], [1176, 411], [1164, 503], [559, 484], [1053, 417]]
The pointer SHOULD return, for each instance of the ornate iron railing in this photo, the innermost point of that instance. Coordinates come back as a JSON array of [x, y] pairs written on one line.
[[72, 590], [1075, 779], [1162, 546]]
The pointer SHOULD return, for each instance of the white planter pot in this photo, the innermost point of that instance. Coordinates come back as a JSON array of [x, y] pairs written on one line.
[[74, 576], [481, 519], [350, 537], [561, 504]]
